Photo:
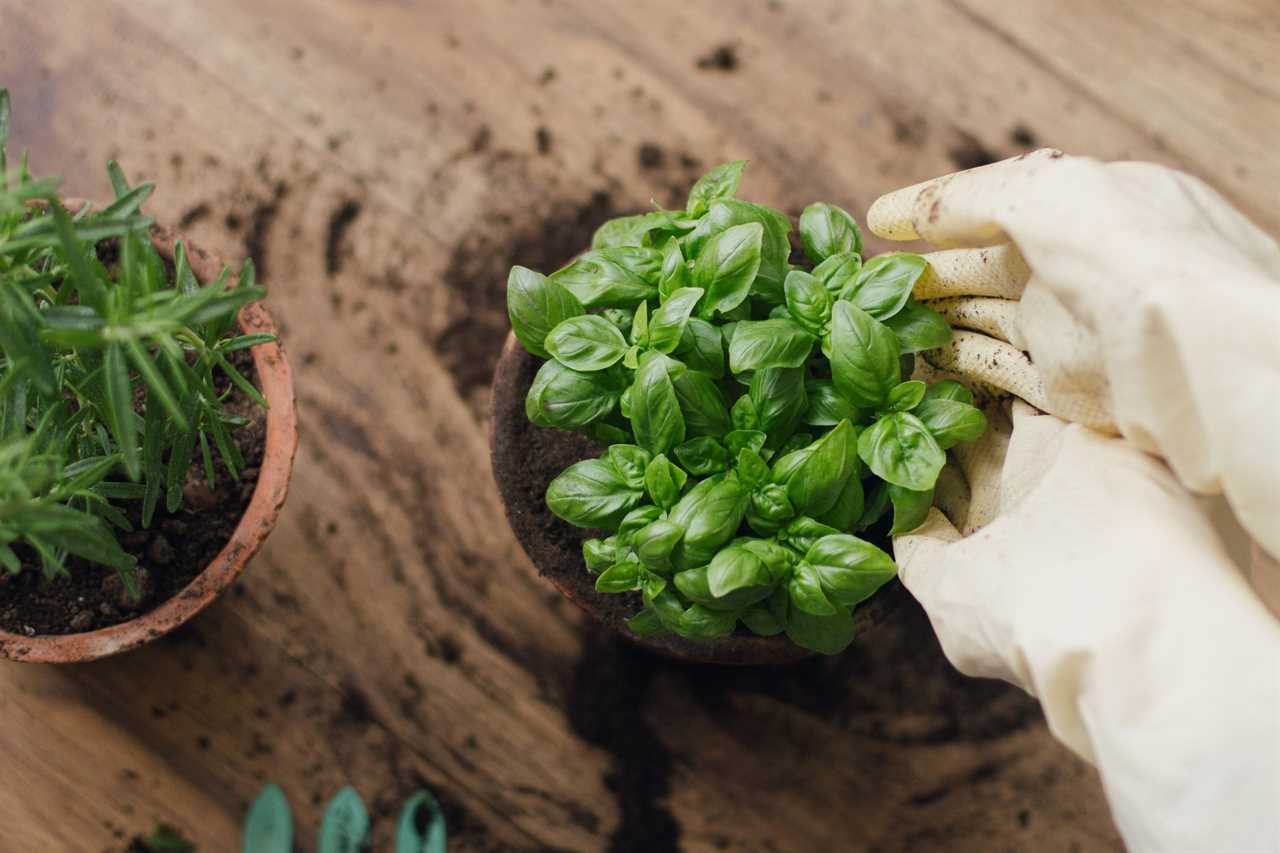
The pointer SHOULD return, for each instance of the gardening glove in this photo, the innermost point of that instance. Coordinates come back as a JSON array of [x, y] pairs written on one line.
[[1098, 584], [1144, 302]]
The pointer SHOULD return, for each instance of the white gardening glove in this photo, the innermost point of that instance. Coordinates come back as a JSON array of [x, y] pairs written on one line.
[[1147, 303], [1102, 588]]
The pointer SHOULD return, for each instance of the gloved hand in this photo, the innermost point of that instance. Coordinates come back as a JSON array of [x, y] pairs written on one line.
[[1147, 303], [1094, 580], [1102, 588]]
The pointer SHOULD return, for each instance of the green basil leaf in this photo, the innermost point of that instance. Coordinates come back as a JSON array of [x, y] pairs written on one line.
[[620, 577], [607, 434], [838, 272], [703, 623], [797, 441], [949, 389], [734, 569], [702, 404], [630, 461], [565, 398], [738, 439], [910, 508], [864, 356], [815, 485], [536, 305], [785, 466], [630, 230], [761, 622], [703, 455], [808, 301], [805, 590], [744, 414], [846, 511], [727, 266], [675, 270], [905, 396], [770, 509], [899, 449], [919, 328], [599, 554], [656, 418], [850, 569], [951, 422], [666, 328], [720, 182], [639, 329], [654, 543], [612, 278], [646, 623], [666, 605], [884, 285], [802, 532], [709, 521], [693, 585], [751, 469], [875, 505], [826, 230], [634, 521], [591, 493], [586, 343], [777, 558], [826, 635], [758, 344], [701, 347], [664, 481], [775, 247], [778, 397], [619, 317], [825, 405]]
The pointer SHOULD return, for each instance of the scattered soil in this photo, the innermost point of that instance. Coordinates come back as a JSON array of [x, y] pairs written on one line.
[[261, 219], [478, 269], [339, 222], [525, 460], [1023, 136], [969, 153], [651, 156], [721, 58], [542, 138], [171, 552]]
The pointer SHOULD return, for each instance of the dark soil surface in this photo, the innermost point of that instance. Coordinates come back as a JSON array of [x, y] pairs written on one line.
[[173, 551], [527, 458]]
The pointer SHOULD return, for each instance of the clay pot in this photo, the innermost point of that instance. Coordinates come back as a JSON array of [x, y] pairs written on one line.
[[256, 523], [526, 458]]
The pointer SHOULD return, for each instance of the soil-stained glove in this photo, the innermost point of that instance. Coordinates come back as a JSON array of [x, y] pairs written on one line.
[[1100, 586], [1147, 303]]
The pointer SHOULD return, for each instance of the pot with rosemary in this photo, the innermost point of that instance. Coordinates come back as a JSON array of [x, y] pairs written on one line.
[[132, 434], [759, 414]]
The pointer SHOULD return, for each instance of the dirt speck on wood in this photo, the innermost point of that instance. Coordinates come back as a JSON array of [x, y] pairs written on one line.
[[721, 58]]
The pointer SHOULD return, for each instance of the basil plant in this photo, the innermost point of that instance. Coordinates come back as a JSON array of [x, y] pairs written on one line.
[[758, 414]]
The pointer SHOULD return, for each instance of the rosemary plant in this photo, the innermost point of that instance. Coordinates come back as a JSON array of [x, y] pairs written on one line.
[[109, 364]]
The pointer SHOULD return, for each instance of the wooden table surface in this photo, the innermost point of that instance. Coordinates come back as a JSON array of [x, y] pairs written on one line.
[[384, 163]]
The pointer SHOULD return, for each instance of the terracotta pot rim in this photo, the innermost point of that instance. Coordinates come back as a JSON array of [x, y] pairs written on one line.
[[735, 650], [255, 524]]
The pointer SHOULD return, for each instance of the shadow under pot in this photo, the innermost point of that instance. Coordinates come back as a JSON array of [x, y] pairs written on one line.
[[526, 458], [187, 558]]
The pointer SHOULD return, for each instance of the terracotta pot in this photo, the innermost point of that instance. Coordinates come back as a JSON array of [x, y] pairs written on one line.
[[525, 459], [256, 523]]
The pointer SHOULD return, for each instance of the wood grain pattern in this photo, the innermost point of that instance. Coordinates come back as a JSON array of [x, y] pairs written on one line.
[[384, 163]]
